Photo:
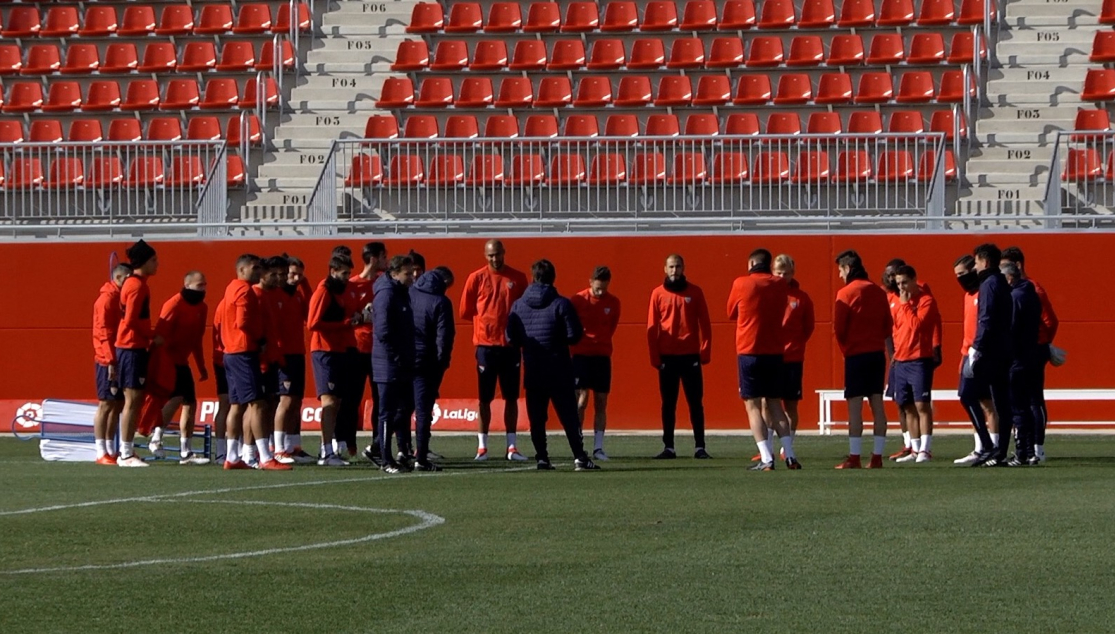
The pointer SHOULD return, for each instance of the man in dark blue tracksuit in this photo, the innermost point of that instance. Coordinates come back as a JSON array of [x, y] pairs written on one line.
[[393, 356], [433, 344], [543, 324], [990, 358], [1026, 363]]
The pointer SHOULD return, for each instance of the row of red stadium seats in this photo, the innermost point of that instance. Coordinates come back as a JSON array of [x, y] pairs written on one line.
[[697, 15], [676, 90], [647, 168], [158, 57], [1087, 164], [687, 53], [139, 20], [140, 95], [198, 128], [107, 172], [660, 125]]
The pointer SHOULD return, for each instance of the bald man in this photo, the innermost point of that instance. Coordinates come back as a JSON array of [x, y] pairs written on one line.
[[486, 300]]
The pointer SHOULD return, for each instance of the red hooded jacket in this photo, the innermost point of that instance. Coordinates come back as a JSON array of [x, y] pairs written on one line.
[[106, 322]]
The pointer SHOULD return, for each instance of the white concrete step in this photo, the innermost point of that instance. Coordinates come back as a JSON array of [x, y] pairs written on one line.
[[1017, 153], [353, 82], [1054, 9], [1015, 138], [364, 51], [1019, 120], [1036, 73], [1062, 58], [1049, 35]]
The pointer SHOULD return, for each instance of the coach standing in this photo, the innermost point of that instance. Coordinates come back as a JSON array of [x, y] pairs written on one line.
[[989, 358], [679, 334], [486, 300], [434, 332], [543, 324], [393, 357], [598, 311], [1026, 361]]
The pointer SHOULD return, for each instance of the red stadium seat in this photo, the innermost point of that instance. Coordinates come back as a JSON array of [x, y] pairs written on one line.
[[660, 16], [252, 19], [845, 50], [476, 92], [663, 125], [1103, 47], [794, 89], [621, 125], [60, 22], [753, 90], [102, 97], [713, 90], [24, 96], [489, 55], [85, 131], [42, 59], [705, 125], [972, 11], [235, 130], [567, 55], [581, 125], [63, 96], [504, 17], [268, 54], [543, 17], [1082, 164], [777, 14], [421, 126], [915, 87], [224, 94], [689, 169], [875, 87], [515, 92], [817, 14], [567, 170], [726, 52], [926, 48], [105, 172], [647, 54], [26, 173], [581, 17], [633, 91], [895, 166], [45, 131], [411, 55], [462, 127], [896, 13], [593, 92], [202, 56], [397, 92], [527, 170], [963, 48], [607, 55], [435, 92], [824, 123], [620, 16], [381, 126], [729, 168], [737, 15], [1099, 85], [834, 89], [100, 21], [936, 13], [783, 123], [674, 90], [486, 170], [138, 21], [1091, 119], [446, 170], [502, 126], [554, 92], [544, 126], [283, 23], [181, 94], [11, 59], [176, 19], [427, 17], [234, 173], [865, 122], [771, 167], [812, 167], [159, 57], [81, 59], [886, 49], [406, 170], [853, 166], [66, 172], [465, 17], [906, 122], [699, 15], [120, 58], [952, 87], [806, 50], [766, 51], [945, 121], [450, 55], [742, 124], [241, 56], [165, 129], [856, 13], [145, 172], [204, 129], [687, 52], [529, 55], [927, 164], [23, 21], [607, 169], [1107, 13], [649, 168], [186, 171], [214, 19]]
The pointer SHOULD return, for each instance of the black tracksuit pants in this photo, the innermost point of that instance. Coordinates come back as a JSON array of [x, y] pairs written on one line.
[[427, 386], [684, 371], [560, 390]]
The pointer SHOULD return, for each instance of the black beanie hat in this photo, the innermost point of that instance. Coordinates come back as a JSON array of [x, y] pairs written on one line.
[[139, 254]]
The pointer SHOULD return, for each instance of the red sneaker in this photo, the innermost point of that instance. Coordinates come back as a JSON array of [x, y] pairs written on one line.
[[107, 460], [851, 462], [234, 466], [275, 465], [905, 451], [757, 457], [876, 461]]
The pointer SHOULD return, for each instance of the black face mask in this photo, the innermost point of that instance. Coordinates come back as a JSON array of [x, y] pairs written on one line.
[[334, 285], [290, 289], [676, 286], [760, 268], [193, 297], [969, 281]]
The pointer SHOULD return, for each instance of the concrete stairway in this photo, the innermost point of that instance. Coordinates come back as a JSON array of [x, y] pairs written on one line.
[[334, 98], [1043, 57]]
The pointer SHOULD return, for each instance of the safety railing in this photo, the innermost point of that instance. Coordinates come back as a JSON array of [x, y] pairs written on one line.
[[148, 183], [802, 180], [1080, 185]]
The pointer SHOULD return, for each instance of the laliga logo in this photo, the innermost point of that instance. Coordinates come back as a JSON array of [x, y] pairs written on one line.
[[462, 413], [28, 415]]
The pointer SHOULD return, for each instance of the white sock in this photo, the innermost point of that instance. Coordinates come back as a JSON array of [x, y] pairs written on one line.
[[232, 450], [979, 444], [326, 450], [482, 441], [339, 447], [157, 435], [280, 441], [295, 441], [906, 440], [1039, 451], [995, 441], [185, 449], [915, 445], [127, 449], [880, 445], [102, 447], [511, 440], [248, 452], [926, 441], [598, 440], [787, 446], [264, 447], [764, 451], [110, 446], [855, 445]]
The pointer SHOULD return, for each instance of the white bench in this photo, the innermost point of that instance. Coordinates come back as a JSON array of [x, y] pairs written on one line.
[[828, 397]]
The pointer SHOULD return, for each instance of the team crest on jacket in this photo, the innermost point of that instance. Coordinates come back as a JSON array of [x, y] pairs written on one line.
[[794, 305], [607, 311], [688, 299], [511, 285]]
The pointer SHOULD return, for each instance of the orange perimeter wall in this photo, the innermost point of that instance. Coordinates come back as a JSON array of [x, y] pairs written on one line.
[[49, 289]]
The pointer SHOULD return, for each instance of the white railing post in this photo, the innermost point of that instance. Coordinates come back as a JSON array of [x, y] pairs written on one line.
[[1053, 194]]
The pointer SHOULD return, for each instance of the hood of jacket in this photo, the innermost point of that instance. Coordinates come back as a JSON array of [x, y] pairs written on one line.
[[540, 295], [430, 283], [110, 288]]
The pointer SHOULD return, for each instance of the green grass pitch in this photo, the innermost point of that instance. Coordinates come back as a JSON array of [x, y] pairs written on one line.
[[640, 546]]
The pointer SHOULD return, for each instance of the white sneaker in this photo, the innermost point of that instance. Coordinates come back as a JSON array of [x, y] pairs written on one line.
[[332, 461], [599, 455], [481, 455], [156, 449], [910, 457], [924, 456], [969, 459], [284, 458], [514, 455], [131, 461], [193, 459]]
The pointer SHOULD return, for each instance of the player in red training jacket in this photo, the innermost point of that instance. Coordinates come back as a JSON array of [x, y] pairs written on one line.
[[599, 312], [916, 351], [294, 307], [110, 398], [134, 339], [798, 324]]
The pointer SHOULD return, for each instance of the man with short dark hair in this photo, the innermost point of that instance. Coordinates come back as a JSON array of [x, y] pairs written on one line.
[[543, 324], [349, 416], [293, 309], [134, 339], [434, 333], [598, 311], [110, 398], [989, 358], [393, 356], [916, 322], [1026, 359], [330, 322], [974, 397], [862, 323], [272, 354], [679, 335]]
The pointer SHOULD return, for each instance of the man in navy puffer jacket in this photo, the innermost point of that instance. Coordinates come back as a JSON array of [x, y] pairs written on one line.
[[393, 355], [543, 324], [433, 345]]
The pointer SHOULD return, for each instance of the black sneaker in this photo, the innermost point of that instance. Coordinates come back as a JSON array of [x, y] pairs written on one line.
[[667, 454], [426, 466], [392, 468], [985, 459], [585, 465], [701, 454], [1033, 461], [544, 465], [762, 466], [374, 457], [793, 464]]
